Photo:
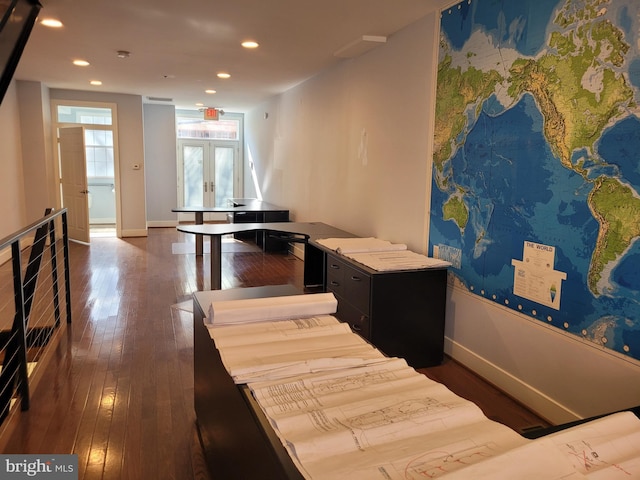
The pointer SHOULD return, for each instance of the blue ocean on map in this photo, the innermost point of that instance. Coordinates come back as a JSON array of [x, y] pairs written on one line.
[[522, 193], [517, 181]]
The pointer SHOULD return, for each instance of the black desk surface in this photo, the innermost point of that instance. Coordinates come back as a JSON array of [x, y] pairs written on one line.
[[310, 230], [236, 205]]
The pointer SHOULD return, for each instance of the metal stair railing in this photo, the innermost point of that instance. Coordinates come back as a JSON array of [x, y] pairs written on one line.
[[39, 290]]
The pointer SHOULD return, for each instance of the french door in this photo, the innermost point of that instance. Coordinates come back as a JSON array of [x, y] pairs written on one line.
[[207, 175]]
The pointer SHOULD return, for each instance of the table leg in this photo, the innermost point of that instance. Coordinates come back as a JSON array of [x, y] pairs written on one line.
[[216, 261], [199, 221]]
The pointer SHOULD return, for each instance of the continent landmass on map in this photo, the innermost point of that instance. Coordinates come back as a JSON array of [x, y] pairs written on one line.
[[579, 94], [459, 90]]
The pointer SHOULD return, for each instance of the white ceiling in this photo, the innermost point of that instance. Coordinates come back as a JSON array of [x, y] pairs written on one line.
[[177, 47]]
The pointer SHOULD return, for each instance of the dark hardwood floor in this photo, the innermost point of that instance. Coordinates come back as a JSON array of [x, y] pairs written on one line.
[[118, 390]]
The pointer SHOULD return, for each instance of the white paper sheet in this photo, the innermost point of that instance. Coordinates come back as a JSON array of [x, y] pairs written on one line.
[[386, 421], [271, 308], [344, 410], [396, 260], [607, 448], [421, 457], [270, 350], [357, 244], [285, 334], [378, 421]]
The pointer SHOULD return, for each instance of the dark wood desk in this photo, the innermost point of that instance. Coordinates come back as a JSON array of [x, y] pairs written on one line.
[[400, 312], [285, 231], [243, 210], [237, 439]]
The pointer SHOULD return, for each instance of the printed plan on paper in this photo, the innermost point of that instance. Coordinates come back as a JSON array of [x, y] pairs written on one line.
[[345, 411]]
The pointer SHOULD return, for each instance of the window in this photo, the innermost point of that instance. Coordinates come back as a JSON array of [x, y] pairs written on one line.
[[99, 151], [193, 126], [98, 137], [84, 115]]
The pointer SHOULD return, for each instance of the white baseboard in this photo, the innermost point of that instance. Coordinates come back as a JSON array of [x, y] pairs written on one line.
[[297, 250], [162, 223], [142, 232], [559, 376], [535, 400], [102, 221]]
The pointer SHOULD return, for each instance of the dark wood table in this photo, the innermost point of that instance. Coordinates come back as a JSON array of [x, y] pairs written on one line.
[[241, 208], [285, 231], [236, 437]]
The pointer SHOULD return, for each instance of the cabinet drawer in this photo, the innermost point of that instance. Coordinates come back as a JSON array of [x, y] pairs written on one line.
[[335, 276], [348, 282], [358, 321], [357, 289]]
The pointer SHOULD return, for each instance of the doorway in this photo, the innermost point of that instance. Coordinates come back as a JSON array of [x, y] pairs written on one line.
[[209, 161], [100, 153], [207, 174]]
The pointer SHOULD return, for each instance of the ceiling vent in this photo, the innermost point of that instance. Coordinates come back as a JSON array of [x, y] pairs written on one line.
[[159, 99]]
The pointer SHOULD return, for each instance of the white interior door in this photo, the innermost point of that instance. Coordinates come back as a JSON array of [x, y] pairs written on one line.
[[73, 181], [207, 174]]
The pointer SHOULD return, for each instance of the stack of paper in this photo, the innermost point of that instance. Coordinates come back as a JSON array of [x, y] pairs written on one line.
[[344, 410], [271, 308], [273, 350], [385, 421], [606, 449], [381, 255], [396, 260], [357, 244], [382, 421]]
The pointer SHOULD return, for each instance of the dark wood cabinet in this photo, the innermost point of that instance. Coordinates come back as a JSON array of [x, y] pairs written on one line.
[[402, 313], [266, 241]]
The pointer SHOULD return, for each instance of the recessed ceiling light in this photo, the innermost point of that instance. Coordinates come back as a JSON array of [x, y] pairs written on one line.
[[96, 82], [250, 44], [51, 22], [210, 90], [199, 104], [224, 75], [81, 63]]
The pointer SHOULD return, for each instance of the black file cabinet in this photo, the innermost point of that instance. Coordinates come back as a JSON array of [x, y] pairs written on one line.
[[401, 313]]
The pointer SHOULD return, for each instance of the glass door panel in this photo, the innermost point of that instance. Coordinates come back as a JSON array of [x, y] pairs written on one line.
[[193, 175], [224, 159], [207, 176]]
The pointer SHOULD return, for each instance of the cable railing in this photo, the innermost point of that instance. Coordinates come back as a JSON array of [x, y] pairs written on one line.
[[34, 300]]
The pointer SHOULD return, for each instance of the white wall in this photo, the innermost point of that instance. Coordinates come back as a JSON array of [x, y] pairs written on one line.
[[12, 198], [349, 146], [37, 148], [160, 154], [309, 158], [26, 156]]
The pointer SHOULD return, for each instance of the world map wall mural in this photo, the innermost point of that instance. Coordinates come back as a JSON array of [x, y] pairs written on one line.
[[536, 166]]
